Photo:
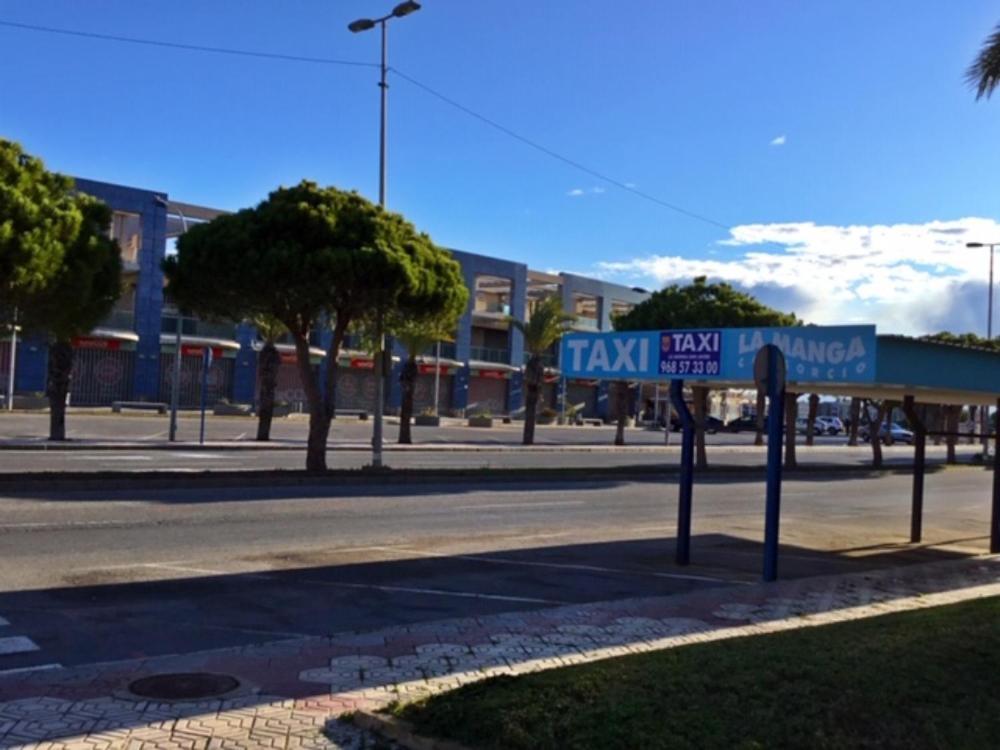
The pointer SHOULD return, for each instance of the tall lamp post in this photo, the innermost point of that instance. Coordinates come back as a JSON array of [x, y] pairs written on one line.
[[365, 24], [984, 421]]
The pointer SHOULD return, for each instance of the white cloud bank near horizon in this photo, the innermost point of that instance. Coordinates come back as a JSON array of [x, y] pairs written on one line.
[[905, 278]]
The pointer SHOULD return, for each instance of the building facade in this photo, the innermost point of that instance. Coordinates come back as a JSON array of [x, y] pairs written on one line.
[[131, 355]]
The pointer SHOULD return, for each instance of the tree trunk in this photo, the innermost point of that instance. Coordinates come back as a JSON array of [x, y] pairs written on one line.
[[319, 416], [268, 362], [761, 406], [57, 386], [621, 410], [933, 422], [875, 435], [791, 414], [532, 383], [699, 395], [407, 385], [855, 419], [952, 414], [329, 394], [811, 418]]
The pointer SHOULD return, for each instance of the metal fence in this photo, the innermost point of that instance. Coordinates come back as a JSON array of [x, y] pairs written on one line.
[[101, 376], [220, 379]]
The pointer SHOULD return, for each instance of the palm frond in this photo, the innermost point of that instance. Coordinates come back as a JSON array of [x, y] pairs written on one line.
[[984, 73]]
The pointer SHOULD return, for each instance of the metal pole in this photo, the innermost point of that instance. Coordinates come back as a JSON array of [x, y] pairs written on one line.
[[13, 363], [995, 511], [919, 469], [380, 344], [984, 423], [384, 86], [175, 387], [775, 433], [656, 405], [206, 363], [562, 399], [437, 376], [685, 490]]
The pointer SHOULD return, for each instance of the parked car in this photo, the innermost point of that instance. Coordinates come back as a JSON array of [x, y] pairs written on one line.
[[802, 425], [899, 433], [744, 424], [712, 424], [829, 426]]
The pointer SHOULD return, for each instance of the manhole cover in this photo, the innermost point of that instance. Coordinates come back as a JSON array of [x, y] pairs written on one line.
[[184, 686]]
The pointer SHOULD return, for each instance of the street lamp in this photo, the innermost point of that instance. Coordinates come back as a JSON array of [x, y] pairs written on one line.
[[984, 421], [989, 307], [365, 24]]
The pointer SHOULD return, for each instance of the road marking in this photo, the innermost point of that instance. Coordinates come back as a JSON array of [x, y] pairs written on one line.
[[203, 456], [17, 644], [38, 668], [110, 459], [540, 504], [566, 566], [59, 525], [388, 589], [437, 592], [3, 622]]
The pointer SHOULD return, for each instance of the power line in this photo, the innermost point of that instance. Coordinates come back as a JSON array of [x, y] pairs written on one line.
[[187, 47], [555, 155], [409, 79]]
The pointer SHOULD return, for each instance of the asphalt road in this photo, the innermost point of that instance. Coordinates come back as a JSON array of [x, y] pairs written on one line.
[[97, 576]]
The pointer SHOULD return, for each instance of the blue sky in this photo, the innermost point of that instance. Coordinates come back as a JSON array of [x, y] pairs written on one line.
[[837, 141]]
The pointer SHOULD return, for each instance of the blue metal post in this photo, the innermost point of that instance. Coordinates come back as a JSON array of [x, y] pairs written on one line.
[[685, 491], [775, 433], [206, 363]]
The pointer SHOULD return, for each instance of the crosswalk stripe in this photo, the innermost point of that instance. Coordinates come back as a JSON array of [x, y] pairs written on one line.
[[3, 622], [17, 644]]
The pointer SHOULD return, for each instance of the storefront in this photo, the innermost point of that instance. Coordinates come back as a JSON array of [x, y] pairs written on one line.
[[488, 387], [103, 368], [218, 379]]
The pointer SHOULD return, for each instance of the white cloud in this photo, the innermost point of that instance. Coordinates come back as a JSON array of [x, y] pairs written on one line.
[[597, 190], [779, 141], [906, 278], [630, 185], [576, 192]]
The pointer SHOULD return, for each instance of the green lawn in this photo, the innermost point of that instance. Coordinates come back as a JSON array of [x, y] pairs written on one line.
[[924, 679]]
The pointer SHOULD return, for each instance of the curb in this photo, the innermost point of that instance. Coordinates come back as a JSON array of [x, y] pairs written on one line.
[[401, 732], [153, 479]]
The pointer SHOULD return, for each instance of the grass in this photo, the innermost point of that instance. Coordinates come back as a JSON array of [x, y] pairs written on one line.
[[923, 679]]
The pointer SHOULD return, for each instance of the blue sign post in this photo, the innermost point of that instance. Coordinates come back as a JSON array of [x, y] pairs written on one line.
[[685, 492], [769, 369]]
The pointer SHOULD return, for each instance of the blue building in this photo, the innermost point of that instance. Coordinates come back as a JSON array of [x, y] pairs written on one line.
[[130, 355]]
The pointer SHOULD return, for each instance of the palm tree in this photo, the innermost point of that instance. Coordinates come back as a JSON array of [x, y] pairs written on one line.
[[268, 362], [984, 73], [547, 325], [416, 336]]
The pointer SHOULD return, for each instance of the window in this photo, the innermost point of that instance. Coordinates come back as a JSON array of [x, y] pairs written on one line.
[[126, 230]]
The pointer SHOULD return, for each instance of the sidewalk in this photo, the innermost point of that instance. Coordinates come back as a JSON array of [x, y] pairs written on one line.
[[292, 691]]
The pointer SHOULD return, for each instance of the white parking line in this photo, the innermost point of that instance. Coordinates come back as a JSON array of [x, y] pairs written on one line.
[[38, 668], [565, 566], [127, 457], [436, 592], [539, 504], [17, 644], [370, 586]]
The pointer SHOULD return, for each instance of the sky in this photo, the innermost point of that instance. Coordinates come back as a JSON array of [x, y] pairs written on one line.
[[827, 156]]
